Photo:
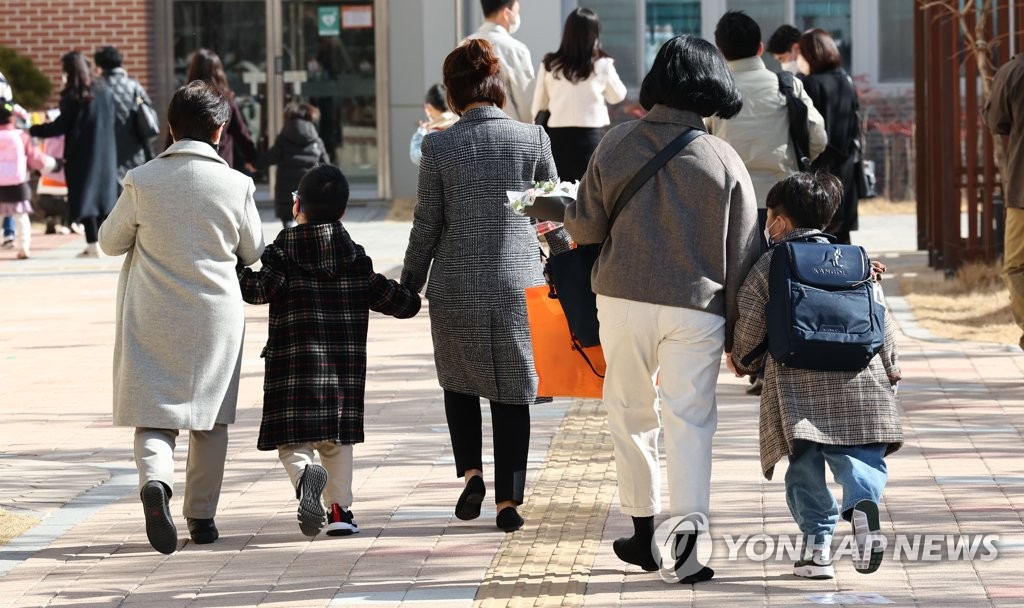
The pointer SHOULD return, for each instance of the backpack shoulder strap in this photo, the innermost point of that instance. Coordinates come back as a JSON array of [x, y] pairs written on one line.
[[653, 166], [786, 83]]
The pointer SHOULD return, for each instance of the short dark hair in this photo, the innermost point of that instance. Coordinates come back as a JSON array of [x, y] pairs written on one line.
[[737, 35], [820, 51], [437, 96], [108, 58], [809, 200], [302, 110], [196, 110], [690, 74], [490, 7], [783, 39], [472, 74], [323, 194]]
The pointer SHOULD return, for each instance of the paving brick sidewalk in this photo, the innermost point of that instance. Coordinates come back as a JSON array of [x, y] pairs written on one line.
[[960, 472]]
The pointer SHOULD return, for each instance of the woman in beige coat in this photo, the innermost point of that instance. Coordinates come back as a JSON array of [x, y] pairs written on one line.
[[184, 220]]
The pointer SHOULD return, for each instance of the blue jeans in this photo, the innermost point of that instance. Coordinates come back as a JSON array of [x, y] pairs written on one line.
[[8, 226], [860, 469]]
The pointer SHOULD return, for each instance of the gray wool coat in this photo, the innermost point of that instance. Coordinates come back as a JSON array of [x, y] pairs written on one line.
[[483, 254], [185, 220]]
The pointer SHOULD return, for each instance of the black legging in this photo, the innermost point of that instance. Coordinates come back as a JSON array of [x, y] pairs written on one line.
[[511, 429]]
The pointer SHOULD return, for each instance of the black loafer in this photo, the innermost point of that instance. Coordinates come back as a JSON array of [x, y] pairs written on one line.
[[160, 530], [202, 531], [509, 519], [473, 494]]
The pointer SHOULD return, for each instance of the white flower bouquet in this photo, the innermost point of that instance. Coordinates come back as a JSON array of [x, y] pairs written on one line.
[[520, 202]]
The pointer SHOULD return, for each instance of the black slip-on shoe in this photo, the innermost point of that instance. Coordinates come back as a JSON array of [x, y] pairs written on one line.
[[472, 495], [636, 551], [160, 530], [311, 514], [509, 519], [202, 531]]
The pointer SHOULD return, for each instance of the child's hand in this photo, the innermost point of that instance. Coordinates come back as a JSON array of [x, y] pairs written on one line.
[[877, 268]]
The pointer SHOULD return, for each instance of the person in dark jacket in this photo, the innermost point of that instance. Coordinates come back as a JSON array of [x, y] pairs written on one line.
[[132, 149], [205, 65], [320, 286], [86, 120], [831, 89], [297, 149]]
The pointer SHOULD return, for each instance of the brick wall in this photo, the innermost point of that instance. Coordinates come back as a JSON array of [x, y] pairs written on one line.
[[46, 29]]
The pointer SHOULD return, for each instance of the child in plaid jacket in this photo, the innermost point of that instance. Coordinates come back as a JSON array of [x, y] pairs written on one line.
[[320, 286]]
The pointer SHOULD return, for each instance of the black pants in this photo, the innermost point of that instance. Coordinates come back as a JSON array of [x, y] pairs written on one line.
[[511, 428], [92, 227], [572, 148]]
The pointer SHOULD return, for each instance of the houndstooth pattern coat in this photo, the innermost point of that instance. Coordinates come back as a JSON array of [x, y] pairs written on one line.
[[828, 407], [483, 254]]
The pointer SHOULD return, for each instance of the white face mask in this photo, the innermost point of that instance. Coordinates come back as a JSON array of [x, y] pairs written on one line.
[[791, 66], [516, 22], [768, 232]]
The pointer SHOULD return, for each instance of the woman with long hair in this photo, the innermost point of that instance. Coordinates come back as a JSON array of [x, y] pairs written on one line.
[[575, 84], [480, 256], [205, 65], [834, 96], [86, 120]]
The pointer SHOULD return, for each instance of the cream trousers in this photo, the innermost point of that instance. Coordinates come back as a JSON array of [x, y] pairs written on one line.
[[204, 472], [683, 347], [336, 458]]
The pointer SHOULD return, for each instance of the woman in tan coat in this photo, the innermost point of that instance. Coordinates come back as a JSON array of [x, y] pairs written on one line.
[[184, 220]]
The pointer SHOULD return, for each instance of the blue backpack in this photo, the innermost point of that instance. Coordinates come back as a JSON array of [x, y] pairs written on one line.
[[825, 311]]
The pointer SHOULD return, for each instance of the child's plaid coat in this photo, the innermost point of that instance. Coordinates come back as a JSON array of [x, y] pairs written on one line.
[[320, 286]]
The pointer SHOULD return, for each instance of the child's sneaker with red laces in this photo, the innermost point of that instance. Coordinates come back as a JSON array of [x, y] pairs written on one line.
[[340, 521]]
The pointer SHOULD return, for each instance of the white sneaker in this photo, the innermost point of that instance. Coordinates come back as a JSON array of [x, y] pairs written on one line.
[[91, 251], [870, 545], [815, 565]]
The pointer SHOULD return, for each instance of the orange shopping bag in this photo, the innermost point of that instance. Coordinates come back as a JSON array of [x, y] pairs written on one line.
[[564, 369]]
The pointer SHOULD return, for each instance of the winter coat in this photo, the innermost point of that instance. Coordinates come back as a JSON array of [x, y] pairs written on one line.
[[185, 220], [835, 98], [132, 150], [832, 408], [90, 151], [760, 132], [516, 68], [688, 236], [297, 148], [483, 254], [320, 286]]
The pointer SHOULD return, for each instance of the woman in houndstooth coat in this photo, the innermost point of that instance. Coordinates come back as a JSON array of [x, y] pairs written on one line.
[[483, 256]]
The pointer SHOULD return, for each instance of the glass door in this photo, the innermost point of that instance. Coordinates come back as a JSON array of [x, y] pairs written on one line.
[[329, 59], [236, 31]]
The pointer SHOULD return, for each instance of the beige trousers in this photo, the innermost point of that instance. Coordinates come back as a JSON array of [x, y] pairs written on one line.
[[683, 348], [204, 472], [334, 457], [1013, 264]]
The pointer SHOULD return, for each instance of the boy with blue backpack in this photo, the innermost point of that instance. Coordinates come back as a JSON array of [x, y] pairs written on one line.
[[812, 310]]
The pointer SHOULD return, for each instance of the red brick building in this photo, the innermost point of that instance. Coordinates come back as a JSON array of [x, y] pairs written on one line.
[[44, 30]]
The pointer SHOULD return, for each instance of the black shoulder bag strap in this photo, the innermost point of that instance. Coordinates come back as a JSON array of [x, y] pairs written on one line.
[[653, 166], [645, 173]]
